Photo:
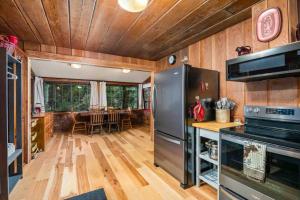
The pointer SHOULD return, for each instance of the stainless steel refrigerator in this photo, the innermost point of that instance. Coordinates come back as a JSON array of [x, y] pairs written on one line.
[[175, 93]]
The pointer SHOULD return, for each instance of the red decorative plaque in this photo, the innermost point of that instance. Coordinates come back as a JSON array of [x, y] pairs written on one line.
[[268, 25]]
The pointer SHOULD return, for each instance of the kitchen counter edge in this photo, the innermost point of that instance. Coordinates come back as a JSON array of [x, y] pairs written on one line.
[[214, 126]]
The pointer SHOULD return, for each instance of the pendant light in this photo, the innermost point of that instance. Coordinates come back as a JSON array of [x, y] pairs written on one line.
[[133, 5]]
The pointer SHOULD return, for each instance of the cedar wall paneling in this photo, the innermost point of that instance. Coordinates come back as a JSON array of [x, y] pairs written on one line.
[[163, 63], [212, 52], [219, 43], [206, 53], [235, 36], [194, 54]]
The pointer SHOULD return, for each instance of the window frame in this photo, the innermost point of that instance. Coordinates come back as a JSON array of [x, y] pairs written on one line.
[[124, 85], [71, 85]]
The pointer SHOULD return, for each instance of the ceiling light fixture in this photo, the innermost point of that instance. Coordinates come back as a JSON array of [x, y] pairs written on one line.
[[133, 5], [76, 66], [126, 71]]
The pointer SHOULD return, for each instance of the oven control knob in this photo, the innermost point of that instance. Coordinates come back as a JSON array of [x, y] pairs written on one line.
[[256, 110]]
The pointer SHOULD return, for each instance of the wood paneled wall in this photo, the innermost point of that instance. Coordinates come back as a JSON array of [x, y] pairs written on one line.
[[213, 51], [47, 52]]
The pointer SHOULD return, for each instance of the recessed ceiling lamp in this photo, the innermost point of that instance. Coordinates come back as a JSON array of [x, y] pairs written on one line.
[[76, 66], [126, 71], [133, 5]]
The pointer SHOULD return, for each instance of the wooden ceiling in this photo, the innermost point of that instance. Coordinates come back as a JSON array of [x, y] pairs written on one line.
[[102, 26]]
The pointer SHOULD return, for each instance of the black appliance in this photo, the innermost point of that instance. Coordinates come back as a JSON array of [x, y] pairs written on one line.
[[175, 91], [277, 62], [277, 128]]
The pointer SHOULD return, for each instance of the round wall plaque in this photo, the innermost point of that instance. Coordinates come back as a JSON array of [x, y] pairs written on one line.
[[268, 25]]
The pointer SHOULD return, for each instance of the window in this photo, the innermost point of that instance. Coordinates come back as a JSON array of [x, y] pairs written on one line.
[[147, 97], [122, 97], [66, 96]]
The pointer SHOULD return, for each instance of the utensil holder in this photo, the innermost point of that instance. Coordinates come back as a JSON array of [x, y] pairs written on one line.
[[223, 115]]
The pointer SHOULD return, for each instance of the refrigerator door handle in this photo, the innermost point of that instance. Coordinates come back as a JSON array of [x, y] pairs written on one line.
[[153, 101], [169, 140]]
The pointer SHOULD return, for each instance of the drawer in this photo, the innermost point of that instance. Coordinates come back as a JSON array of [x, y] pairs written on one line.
[[169, 154]]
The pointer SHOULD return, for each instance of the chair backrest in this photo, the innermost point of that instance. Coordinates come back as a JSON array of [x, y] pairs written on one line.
[[97, 118], [94, 109], [114, 116], [73, 116], [127, 114]]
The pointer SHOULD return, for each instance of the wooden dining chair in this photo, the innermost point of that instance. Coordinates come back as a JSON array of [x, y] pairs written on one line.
[[77, 125], [96, 120], [126, 121], [113, 120]]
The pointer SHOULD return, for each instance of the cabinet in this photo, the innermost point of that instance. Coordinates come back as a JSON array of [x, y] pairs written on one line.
[[10, 123], [208, 169], [41, 132]]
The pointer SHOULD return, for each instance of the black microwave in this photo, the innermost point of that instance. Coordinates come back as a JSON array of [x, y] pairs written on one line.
[[278, 62]]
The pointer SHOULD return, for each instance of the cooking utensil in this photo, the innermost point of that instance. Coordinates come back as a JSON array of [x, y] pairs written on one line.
[[212, 147]]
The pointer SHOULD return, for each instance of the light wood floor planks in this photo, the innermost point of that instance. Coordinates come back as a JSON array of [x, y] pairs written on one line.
[[121, 163]]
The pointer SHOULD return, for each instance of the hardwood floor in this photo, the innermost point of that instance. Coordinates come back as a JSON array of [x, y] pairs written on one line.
[[121, 163]]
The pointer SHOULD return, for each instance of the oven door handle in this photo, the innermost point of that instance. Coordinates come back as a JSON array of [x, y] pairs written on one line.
[[270, 147]]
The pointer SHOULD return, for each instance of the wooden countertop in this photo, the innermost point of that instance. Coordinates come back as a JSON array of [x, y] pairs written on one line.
[[214, 126]]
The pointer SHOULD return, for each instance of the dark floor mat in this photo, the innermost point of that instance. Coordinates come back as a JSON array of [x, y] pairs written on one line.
[[93, 195]]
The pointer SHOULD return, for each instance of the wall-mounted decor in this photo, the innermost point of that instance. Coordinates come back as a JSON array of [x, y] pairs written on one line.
[[243, 50], [185, 59], [268, 25], [172, 59]]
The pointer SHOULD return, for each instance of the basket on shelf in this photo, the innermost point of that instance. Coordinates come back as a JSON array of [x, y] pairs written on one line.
[[9, 43]]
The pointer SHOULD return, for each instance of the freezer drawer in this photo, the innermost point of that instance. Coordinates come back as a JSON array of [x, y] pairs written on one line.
[[169, 154]]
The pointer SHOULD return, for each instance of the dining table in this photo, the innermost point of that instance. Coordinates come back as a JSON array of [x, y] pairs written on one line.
[[89, 113]]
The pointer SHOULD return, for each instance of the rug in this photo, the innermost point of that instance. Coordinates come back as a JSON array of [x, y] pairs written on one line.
[[93, 195]]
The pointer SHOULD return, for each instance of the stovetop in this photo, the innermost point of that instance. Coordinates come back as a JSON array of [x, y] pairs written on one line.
[[282, 129]]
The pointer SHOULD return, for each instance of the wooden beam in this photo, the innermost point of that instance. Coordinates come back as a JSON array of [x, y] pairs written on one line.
[[82, 81], [106, 61]]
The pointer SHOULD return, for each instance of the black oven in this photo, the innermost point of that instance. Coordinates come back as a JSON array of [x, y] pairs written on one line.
[[282, 172]]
